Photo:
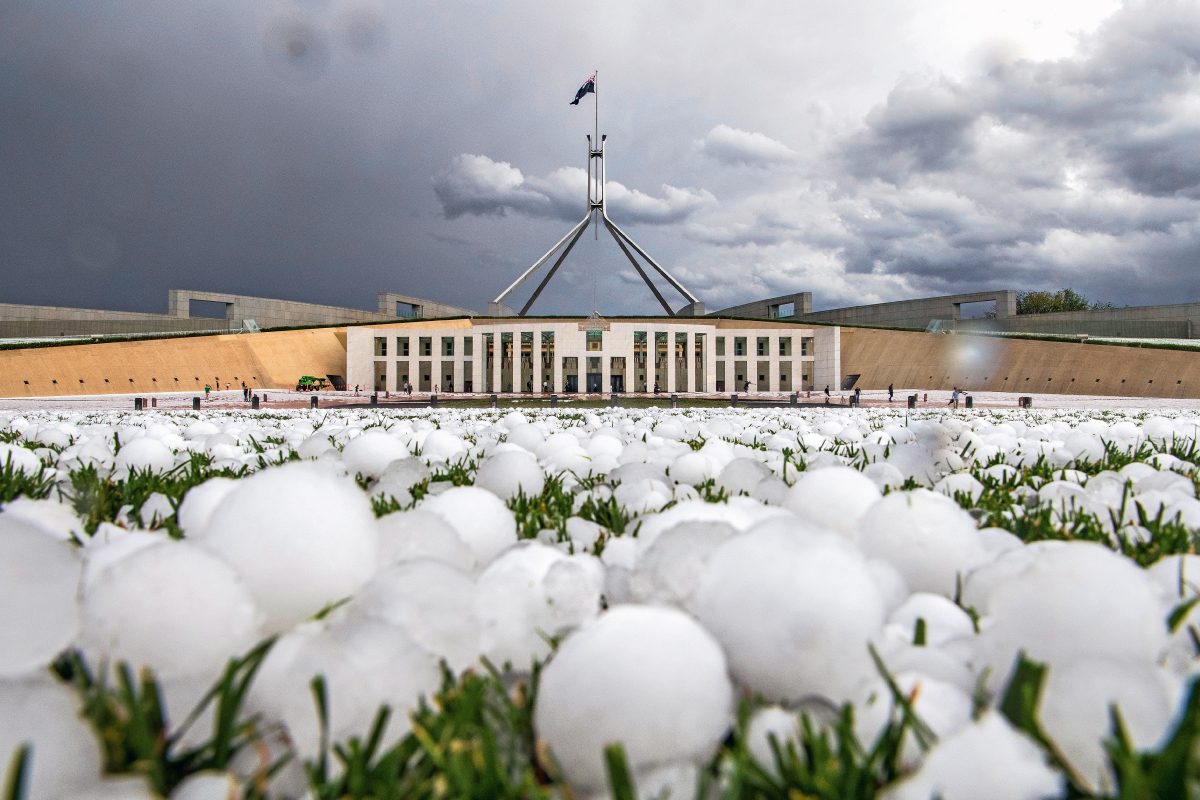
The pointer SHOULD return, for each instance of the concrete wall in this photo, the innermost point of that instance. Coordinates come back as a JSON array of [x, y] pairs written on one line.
[[269, 312], [423, 308], [913, 360], [914, 313], [769, 308], [1176, 321]]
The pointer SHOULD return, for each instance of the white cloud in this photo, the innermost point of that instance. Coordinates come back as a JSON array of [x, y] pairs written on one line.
[[477, 185], [744, 148]]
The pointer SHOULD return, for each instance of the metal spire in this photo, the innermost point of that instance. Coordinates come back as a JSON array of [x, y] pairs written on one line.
[[597, 212]]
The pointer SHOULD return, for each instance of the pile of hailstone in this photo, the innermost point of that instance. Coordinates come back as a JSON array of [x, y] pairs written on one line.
[[761, 555]]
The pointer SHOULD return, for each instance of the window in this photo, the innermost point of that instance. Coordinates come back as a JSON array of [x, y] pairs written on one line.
[[595, 340], [403, 342], [448, 346], [380, 345], [785, 345], [739, 345], [720, 345], [806, 346], [426, 344], [763, 344], [468, 346]]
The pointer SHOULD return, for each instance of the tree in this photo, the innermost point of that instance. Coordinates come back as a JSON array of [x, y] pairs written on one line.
[[1049, 302]]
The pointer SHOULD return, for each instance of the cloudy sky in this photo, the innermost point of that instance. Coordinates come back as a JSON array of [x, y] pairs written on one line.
[[863, 150]]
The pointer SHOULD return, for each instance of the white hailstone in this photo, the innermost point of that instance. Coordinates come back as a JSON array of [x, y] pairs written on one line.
[[442, 445], [366, 664], [39, 612], [980, 582], [794, 614], [740, 515], [960, 483], [986, 753], [529, 437], [1074, 711], [943, 620], [51, 516], [200, 502], [508, 474], [370, 453], [833, 497], [770, 490], [883, 475], [926, 536], [432, 602], [483, 522], [741, 475], [105, 549], [913, 461], [300, 536], [604, 445], [768, 722], [65, 753], [409, 535], [19, 459], [669, 570], [208, 785], [156, 510], [96, 452], [943, 707], [1110, 606], [316, 446], [513, 419], [171, 606], [998, 540], [583, 533], [692, 469], [118, 788], [1166, 481], [1178, 575], [144, 454], [531, 592], [642, 495], [650, 678]]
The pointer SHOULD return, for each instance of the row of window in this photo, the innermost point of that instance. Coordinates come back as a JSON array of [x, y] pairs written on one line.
[[595, 343], [424, 345], [763, 345]]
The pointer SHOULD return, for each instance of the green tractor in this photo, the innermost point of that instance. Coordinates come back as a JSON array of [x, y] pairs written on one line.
[[308, 383]]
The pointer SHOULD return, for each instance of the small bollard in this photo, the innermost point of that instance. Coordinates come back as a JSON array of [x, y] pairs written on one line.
[[495, 401], [154, 402], [137, 404], [733, 399], [195, 404], [674, 401], [375, 399], [1025, 401], [312, 401], [433, 401], [912, 401], [254, 401], [793, 398], [970, 401], [554, 401]]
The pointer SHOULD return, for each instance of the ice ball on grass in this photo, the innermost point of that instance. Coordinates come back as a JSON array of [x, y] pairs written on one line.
[[795, 615], [144, 454], [511, 473], [408, 535], [171, 606], [300, 536], [431, 601], [39, 581], [941, 707], [54, 517], [833, 497], [766, 723], [365, 665], [741, 475], [926, 536], [987, 755], [531, 592], [692, 469], [19, 459], [442, 445], [648, 678], [482, 520], [669, 570], [200, 502], [370, 453], [941, 618], [208, 785], [1078, 599], [102, 551], [1074, 712], [65, 753]]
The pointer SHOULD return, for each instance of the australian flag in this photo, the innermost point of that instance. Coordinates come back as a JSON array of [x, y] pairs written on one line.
[[588, 86]]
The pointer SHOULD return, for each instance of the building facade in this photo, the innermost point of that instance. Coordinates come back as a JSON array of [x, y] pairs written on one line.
[[592, 355]]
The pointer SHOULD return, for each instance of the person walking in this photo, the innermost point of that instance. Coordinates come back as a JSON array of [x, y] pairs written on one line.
[[207, 389], [954, 398], [891, 392]]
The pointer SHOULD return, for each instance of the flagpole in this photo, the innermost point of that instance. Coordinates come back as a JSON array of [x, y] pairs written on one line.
[[596, 91]]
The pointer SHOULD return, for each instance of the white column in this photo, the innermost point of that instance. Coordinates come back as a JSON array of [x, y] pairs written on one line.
[[536, 354], [773, 362], [710, 361], [497, 358], [460, 346], [670, 387]]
